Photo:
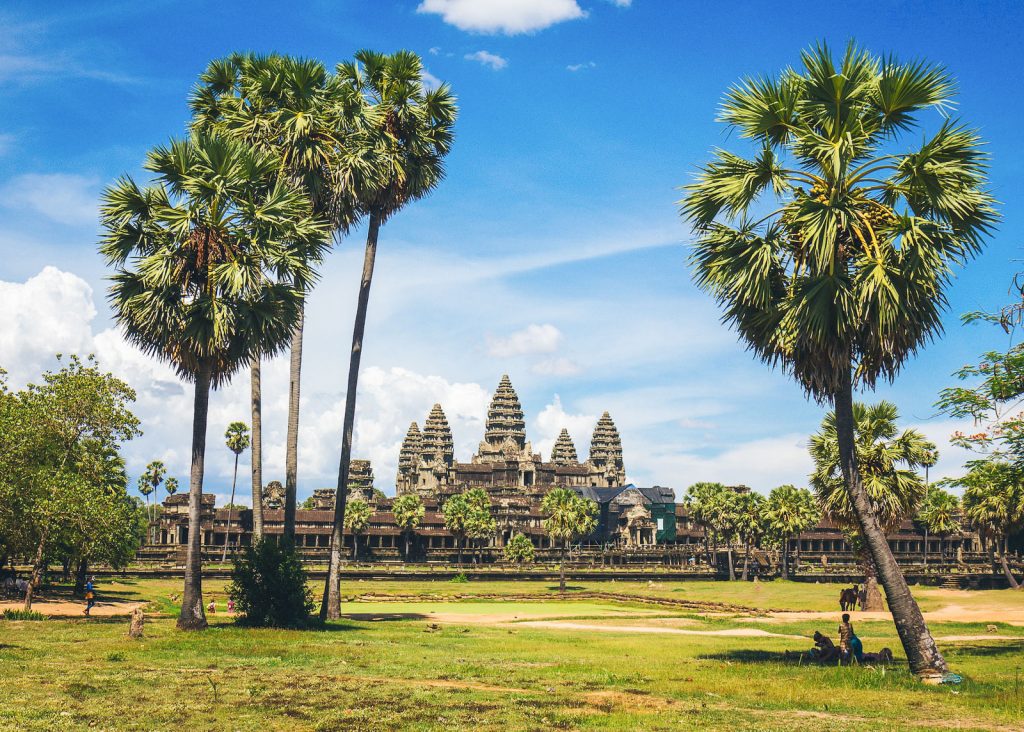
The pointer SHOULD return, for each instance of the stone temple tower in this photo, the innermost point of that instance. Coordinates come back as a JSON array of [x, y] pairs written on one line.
[[436, 453], [605, 461], [564, 451], [505, 429], [409, 460]]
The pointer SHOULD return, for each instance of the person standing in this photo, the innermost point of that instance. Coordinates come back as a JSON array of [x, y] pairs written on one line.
[[849, 643], [90, 596]]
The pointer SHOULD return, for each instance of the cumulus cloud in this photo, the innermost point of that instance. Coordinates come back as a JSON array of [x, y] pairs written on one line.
[[485, 58], [502, 16], [552, 419], [430, 81], [61, 197], [532, 339]]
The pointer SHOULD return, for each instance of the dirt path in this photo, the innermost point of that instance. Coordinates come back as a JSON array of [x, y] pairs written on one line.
[[65, 609], [740, 632], [949, 613]]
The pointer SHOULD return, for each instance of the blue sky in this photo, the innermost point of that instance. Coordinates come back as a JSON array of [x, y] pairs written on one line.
[[552, 252]]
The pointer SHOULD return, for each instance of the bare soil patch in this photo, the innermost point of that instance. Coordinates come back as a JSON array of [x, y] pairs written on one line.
[[65, 609]]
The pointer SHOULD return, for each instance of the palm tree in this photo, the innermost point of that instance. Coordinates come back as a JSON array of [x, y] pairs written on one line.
[[750, 524], [480, 524], [171, 486], [289, 107], [394, 155], [357, 519], [790, 511], [237, 439], [887, 461], [153, 476], [700, 502], [408, 511], [845, 278], [457, 515], [193, 254], [994, 504], [569, 517], [939, 515], [928, 462]]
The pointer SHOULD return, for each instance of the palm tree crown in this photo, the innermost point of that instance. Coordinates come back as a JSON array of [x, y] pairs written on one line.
[[888, 461], [850, 266], [237, 437]]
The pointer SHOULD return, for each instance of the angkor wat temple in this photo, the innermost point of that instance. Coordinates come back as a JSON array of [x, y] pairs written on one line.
[[649, 524]]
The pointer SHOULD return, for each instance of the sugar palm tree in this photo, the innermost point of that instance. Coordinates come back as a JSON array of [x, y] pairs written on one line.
[[750, 524], [887, 461], [457, 516], [289, 107], [845, 277], [171, 486], [789, 512], [408, 511], [200, 257], [700, 501], [394, 155], [153, 476], [928, 462], [940, 516], [994, 504], [357, 519], [569, 517], [237, 440]]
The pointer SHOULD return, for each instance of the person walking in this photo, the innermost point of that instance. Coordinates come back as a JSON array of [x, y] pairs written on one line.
[[90, 596]]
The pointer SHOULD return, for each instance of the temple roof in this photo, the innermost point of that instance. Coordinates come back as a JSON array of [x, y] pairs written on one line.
[[564, 451], [505, 416], [437, 437], [605, 445], [412, 446]]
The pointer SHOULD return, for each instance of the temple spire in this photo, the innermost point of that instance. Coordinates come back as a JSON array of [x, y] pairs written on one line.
[[437, 438], [606, 452], [564, 451], [505, 417]]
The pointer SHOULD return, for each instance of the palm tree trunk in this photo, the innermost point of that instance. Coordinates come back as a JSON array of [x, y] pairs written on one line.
[[330, 608], [922, 653], [231, 504], [728, 556], [561, 569], [192, 615], [785, 558], [746, 559], [291, 460], [256, 397], [926, 548], [872, 596]]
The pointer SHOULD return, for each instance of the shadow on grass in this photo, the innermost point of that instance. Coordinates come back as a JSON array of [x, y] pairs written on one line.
[[378, 617], [568, 588], [1004, 648]]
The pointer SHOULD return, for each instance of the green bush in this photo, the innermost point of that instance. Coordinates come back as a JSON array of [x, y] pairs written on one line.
[[23, 615], [268, 585], [519, 549], [459, 578]]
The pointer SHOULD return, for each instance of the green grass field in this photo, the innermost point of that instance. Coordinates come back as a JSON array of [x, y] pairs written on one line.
[[429, 660]]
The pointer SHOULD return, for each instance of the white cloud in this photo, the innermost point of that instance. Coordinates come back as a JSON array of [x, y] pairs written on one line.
[[26, 68], [502, 16], [532, 339], [430, 81], [486, 58], [621, 3], [552, 419], [434, 50], [557, 366], [580, 67], [63, 197]]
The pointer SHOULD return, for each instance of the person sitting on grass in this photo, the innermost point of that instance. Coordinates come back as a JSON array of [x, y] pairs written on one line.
[[849, 643], [824, 650]]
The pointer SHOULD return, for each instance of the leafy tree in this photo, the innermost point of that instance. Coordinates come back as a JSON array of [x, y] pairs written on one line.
[[569, 517], [357, 520], [200, 258], [994, 504], [789, 512], [939, 515], [887, 461], [519, 549], [845, 278], [237, 440], [309, 504], [408, 511], [294, 109], [270, 587], [63, 487], [393, 156]]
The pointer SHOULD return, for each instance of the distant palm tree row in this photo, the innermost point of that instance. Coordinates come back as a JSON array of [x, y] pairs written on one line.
[[215, 258]]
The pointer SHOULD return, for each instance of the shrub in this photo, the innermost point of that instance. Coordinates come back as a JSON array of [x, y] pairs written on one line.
[[459, 578], [23, 615], [268, 585], [519, 549]]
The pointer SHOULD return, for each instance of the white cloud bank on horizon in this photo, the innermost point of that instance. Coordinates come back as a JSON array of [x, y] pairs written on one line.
[[510, 17]]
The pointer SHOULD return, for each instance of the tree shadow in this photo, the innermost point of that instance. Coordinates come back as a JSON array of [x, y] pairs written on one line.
[[568, 588], [1004, 648], [378, 617]]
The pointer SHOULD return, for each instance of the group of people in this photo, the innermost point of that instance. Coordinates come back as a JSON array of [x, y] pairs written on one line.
[[850, 648], [850, 597]]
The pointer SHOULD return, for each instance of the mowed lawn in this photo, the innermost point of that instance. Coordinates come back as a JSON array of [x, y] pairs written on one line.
[[430, 661]]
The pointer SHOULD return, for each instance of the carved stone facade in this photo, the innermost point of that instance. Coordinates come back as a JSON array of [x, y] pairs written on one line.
[[360, 485], [505, 464]]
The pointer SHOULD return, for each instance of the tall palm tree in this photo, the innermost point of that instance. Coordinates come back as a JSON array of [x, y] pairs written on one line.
[[357, 520], [200, 258], [939, 515], [994, 504], [237, 440], [790, 511], [394, 155], [457, 516], [171, 486], [887, 460], [700, 501], [750, 524], [153, 476], [289, 107], [928, 462], [845, 277], [408, 511], [569, 517]]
